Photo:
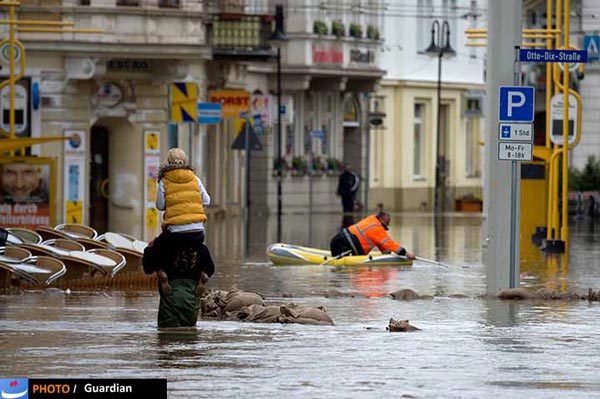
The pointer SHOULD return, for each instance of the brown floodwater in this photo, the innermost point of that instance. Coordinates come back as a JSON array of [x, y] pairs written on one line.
[[468, 347]]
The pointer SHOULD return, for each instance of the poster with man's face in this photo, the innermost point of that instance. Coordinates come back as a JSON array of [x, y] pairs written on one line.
[[26, 190]]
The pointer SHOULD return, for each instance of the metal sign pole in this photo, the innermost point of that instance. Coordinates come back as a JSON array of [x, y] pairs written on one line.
[[513, 191]]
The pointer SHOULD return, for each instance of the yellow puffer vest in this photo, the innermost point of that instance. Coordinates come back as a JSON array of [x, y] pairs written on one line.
[[183, 202]]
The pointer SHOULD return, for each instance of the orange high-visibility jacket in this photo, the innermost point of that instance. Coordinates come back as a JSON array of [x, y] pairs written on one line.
[[370, 233]]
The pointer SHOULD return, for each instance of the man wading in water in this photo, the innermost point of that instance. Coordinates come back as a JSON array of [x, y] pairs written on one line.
[[178, 255]]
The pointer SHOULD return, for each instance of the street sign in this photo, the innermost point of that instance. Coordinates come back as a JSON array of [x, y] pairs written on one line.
[[508, 151], [209, 113], [318, 134], [5, 52], [556, 116], [517, 103], [515, 131], [591, 43], [544, 55], [240, 141], [184, 99], [258, 124]]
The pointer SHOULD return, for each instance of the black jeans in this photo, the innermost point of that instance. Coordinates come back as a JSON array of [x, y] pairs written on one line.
[[348, 202], [339, 244]]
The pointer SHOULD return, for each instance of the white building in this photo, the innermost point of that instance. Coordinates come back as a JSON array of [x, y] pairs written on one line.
[[404, 147], [588, 88]]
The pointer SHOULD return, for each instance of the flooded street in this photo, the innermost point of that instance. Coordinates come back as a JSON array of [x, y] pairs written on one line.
[[469, 348]]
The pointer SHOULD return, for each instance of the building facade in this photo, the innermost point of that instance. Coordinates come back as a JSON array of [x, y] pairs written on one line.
[[406, 146], [110, 90], [330, 64]]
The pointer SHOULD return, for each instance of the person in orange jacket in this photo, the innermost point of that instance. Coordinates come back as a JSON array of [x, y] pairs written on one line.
[[363, 236]]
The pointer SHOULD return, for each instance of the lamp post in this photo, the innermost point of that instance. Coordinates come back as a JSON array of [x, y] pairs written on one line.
[[438, 49], [278, 39]]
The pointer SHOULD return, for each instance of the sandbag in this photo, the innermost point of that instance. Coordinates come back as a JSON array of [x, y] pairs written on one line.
[[401, 326], [238, 299], [304, 315], [404, 295]]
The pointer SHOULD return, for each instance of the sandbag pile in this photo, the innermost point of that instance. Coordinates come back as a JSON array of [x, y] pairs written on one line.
[[546, 294], [409, 295], [239, 305]]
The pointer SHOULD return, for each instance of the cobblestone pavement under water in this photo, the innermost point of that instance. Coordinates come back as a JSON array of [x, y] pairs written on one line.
[[468, 347]]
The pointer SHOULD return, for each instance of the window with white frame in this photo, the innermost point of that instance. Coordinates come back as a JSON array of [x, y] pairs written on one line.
[[473, 153], [418, 140], [428, 11]]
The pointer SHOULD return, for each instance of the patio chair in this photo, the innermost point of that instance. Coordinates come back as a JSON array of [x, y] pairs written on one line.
[[119, 259], [91, 244], [40, 271], [49, 233], [18, 235], [14, 255], [77, 230]]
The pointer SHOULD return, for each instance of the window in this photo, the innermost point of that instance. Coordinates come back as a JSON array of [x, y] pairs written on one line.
[[168, 3], [425, 13], [128, 2], [473, 150], [449, 11], [418, 139]]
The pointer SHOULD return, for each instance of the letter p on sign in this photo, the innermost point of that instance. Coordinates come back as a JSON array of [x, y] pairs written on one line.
[[517, 104]]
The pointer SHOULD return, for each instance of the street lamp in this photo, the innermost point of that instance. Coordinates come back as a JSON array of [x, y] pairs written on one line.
[[439, 49], [277, 40]]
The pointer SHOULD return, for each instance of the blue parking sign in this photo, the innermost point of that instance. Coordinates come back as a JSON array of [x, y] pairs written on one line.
[[517, 103]]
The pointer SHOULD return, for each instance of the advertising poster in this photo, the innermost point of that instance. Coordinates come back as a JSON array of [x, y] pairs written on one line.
[[74, 185], [27, 190], [74, 176], [151, 166]]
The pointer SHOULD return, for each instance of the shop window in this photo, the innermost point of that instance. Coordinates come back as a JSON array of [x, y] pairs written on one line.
[[418, 141], [169, 3]]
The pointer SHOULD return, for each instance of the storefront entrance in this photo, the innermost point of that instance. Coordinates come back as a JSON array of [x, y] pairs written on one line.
[[98, 183], [116, 183]]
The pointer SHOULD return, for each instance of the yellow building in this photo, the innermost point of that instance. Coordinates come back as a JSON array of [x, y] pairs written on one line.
[[403, 149], [425, 58]]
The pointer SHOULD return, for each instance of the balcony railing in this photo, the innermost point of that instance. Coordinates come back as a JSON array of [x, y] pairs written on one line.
[[248, 7], [240, 36], [137, 3]]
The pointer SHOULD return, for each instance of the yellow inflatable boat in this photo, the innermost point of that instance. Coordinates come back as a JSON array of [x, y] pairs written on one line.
[[288, 254]]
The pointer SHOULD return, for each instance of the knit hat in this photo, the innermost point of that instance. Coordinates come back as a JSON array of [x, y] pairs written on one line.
[[176, 156]]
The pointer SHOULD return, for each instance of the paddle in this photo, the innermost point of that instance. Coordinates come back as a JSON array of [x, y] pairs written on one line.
[[340, 256], [435, 262]]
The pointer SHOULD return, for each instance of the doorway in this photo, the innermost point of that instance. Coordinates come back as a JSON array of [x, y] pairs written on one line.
[[99, 179], [116, 183]]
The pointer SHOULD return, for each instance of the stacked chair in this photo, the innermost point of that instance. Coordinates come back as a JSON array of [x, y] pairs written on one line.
[[39, 271], [71, 256]]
